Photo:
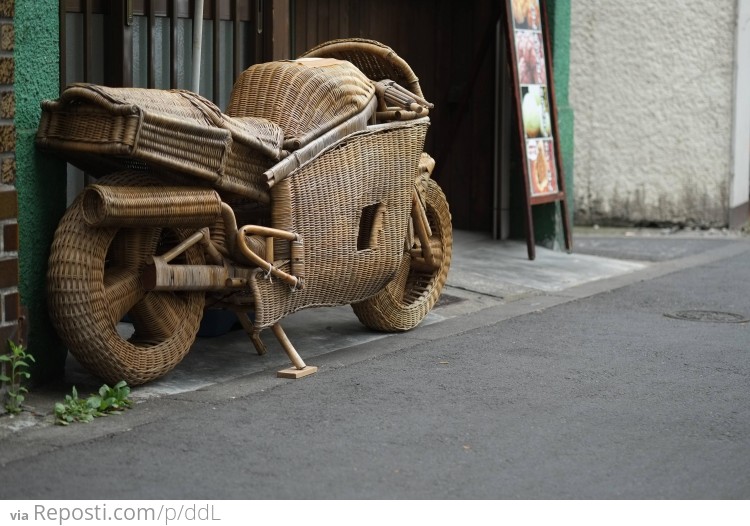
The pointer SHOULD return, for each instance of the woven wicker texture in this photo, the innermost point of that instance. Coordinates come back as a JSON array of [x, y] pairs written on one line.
[[355, 248], [376, 60], [305, 97], [172, 130], [294, 150], [406, 300], [135, 206], [93, 280]]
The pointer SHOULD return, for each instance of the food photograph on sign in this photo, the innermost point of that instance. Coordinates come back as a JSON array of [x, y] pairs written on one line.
[[530, 58], [535, 112], [526, 14], [541, 166]]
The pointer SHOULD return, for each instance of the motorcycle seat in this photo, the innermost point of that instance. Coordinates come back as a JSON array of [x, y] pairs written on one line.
[[306, 97]]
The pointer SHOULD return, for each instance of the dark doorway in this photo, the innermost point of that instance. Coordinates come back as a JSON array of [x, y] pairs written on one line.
[[452, 47]]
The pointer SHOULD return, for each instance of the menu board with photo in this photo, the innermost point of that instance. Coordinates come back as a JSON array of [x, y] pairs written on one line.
[[535, 104], [534, 96]]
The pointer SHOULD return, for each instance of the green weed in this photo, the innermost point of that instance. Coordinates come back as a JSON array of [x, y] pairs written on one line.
[[107, 401], [16, 364]]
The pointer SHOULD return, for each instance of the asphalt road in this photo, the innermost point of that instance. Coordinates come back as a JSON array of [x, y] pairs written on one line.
[[591, 396]]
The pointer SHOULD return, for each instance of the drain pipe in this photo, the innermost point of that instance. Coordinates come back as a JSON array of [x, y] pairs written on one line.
[[197, 44]]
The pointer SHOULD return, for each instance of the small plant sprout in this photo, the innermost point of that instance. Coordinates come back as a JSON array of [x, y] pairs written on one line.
[[112, 399], [73, 409], [107, 401], [15, 365]]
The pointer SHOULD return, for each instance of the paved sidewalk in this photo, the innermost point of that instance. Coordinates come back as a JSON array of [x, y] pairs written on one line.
[[484, 273]]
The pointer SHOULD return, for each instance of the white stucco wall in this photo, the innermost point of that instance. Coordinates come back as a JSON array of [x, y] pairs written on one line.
[[740, 184], [651, 85]]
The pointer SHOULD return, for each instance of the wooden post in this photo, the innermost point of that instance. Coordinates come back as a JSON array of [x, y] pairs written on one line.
[[118, 54], [277, 33]]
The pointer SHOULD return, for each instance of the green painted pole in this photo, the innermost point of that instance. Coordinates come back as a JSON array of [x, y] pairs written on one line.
[[40, 180], [547, 221]]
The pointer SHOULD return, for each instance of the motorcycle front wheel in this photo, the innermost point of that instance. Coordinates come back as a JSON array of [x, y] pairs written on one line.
[[407, 299], [93, 282]]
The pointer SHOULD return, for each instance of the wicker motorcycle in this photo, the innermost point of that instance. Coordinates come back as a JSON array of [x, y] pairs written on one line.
[[311, 190]]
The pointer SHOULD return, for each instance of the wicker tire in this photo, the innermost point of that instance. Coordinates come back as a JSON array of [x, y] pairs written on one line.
[[93, 281], [407, 299]]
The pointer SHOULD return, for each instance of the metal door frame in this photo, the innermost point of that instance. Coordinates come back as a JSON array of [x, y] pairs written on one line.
[[118, 35]]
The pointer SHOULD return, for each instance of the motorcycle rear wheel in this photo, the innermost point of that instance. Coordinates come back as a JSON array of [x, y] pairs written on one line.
[[93, 281], [410, 296]]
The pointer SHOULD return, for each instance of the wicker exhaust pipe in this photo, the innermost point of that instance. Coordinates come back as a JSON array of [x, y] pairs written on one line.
[[150, 206]]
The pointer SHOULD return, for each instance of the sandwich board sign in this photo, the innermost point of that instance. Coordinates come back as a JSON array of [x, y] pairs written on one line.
[[536, 110]]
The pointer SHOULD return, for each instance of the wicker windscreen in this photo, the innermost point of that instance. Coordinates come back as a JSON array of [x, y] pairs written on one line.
[[306, 97], [376, 60]]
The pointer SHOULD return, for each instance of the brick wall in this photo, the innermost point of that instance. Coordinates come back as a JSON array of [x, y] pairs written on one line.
[[9, 298]]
